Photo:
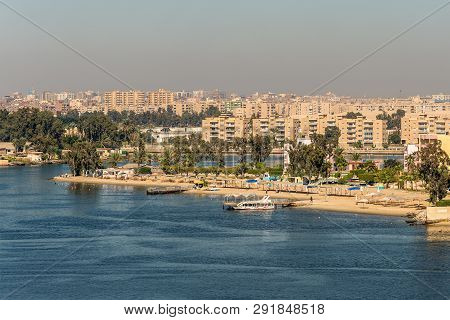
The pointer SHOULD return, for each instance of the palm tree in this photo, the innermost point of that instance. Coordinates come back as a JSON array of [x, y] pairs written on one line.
[[339, 160], [19, 144], [369, 166], [139, 154], [129, 131], [151, 157], [166, 160], [220, 147], [411, 174], [83, 158], [355, 156], [114, 159], [240, 146], [196, 151]]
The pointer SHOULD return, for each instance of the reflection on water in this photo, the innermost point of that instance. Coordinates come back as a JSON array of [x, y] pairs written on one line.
[[438, 232], [94, 190], [82, 189]]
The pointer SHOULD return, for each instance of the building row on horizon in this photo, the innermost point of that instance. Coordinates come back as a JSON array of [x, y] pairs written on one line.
[[219, 94], [269, 105], [257, 105], [361, 130]]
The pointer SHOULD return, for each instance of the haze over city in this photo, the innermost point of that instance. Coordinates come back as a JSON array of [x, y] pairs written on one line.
[[279, 154], [237, 46]]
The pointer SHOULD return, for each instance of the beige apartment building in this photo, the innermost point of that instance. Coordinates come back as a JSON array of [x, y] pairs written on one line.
[[270, 126], [258, 109], [124, 101], [180, 108], [225, 128], [415, 125], [282, 128], [311, 106], [293, 128], [370, 132], [194, 106], [160, 97], [315, 124]]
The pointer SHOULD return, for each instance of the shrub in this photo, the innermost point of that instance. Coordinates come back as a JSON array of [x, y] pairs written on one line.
[[144, 170], [276, 171], [443, 203]]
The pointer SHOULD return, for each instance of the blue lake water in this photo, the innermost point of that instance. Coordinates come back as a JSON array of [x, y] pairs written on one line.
[[62, 241]]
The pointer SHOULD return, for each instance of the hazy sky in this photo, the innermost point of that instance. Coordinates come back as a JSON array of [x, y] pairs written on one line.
[[240, 46]]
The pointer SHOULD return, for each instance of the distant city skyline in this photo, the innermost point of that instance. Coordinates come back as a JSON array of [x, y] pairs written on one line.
[[242, 47], [210, 91]]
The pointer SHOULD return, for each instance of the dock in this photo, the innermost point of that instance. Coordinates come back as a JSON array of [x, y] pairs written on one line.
[[278, 203], [165, 190]]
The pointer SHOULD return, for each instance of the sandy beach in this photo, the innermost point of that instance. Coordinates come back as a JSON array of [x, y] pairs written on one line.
[[320, 202]]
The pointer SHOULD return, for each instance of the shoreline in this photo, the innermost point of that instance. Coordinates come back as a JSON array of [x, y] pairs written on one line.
[[324, 203]]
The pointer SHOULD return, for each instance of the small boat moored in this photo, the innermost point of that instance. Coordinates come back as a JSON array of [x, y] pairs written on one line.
[[264, 204]]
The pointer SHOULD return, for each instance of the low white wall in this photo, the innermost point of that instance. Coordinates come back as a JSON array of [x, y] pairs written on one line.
[[438, 213]]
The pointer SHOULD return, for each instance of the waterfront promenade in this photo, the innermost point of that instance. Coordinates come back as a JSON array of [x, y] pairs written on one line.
[[347, 202]]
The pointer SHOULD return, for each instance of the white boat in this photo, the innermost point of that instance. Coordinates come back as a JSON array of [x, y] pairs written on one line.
[[263, 204]]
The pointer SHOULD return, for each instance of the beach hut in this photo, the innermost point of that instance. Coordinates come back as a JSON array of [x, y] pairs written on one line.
[[7, 148], [34, 156]]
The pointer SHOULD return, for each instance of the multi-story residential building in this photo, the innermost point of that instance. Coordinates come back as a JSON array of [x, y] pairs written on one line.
[[256, 108], [369, 132], [225, 128], [315, 124], [182, 95], [282, 128], [193, 106], [425, 139], [160, 97], [293, 128], [124, 101], [413, 126], [182, 107], [275, 126], [48, 96], [440, 98], [231, 105]]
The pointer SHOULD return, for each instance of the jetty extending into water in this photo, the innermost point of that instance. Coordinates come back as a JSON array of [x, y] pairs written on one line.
[[166, 190]]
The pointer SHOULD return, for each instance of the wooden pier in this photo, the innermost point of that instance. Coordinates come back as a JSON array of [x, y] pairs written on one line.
[[165, 190]]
